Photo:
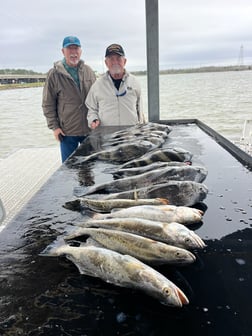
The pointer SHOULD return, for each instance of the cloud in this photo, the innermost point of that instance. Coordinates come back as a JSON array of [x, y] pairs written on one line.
[[190, 32]]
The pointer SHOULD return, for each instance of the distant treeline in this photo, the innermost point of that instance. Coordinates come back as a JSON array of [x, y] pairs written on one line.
[[142, 73], [18, 72], [200, 69]]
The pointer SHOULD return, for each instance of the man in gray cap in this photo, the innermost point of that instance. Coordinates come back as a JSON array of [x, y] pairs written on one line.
[[115, 98], [64, 94]]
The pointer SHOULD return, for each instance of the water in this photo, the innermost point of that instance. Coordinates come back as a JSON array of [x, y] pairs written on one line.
[[22, 123], [222, 100]]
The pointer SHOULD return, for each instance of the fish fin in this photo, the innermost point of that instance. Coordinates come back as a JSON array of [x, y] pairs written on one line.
[[135, 194], [164, 200], [88, 212], [84, 240], [97, 215], [116, 209], [82, 237], [92, 242]]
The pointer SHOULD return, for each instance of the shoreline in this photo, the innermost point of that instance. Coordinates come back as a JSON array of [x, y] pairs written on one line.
[[198, 70], [144, 73], [20, 86]]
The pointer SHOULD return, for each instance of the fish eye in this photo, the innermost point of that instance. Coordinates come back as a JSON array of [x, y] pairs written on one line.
[[178, 254], [166, 290]]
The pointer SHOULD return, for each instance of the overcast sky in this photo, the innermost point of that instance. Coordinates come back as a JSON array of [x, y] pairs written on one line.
[[192, 33]]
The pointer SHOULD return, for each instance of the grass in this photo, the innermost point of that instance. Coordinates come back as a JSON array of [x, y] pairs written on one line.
[[20, 86]]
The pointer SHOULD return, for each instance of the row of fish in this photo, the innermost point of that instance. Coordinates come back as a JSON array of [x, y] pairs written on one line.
[[132, 143], [155, 133], [150, 178], [152, 173], [136, 238], [141, 219]]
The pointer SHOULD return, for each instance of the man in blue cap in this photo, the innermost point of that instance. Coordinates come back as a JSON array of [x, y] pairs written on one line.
[[64, 94]]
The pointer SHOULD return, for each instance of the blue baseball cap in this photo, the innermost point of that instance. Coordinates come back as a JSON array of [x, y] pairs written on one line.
[[70, 40]]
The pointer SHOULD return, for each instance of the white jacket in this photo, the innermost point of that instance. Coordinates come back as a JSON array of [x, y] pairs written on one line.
[[115, 107]]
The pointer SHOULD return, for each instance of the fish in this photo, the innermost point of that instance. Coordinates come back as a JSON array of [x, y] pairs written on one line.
[[184, 173], [186, 193], [157, 127], [121, 270], [164, 154], [164, 213], [170, 233], [157, 141], [180, 214], [141, 129], [145, 249], [118, 154], [101, 205], [125, 172]]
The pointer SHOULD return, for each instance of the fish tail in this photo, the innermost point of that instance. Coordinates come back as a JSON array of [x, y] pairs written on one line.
[[110, 170], [53, 249], [73, 205]]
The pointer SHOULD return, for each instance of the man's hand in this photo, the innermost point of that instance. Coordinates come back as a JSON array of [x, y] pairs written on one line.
[[58, 133], [95, 123]]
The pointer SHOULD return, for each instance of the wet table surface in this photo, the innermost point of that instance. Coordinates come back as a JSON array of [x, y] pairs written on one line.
[[47, 296]]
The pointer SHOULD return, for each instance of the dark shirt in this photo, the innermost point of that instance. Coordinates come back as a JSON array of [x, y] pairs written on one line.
[[73, 71], [116, 82]]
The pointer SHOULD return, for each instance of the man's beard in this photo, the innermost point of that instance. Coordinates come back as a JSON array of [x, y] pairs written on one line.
[[73, 60], [116, 70]]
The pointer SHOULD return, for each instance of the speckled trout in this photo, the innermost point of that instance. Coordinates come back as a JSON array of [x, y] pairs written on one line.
[[175, 234], [141, 129], [158, 141], [125, 172], [142, 248], [100, 205], [161, 213], [121, 270], [118, 154], [161, 175], [165, 154], [184, 193]]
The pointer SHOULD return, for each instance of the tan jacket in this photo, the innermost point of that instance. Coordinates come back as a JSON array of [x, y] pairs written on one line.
[[63, 103], [115, 107]]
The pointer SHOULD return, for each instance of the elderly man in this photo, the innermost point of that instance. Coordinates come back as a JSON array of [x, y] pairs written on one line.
[[115, 98], [64, 94]]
